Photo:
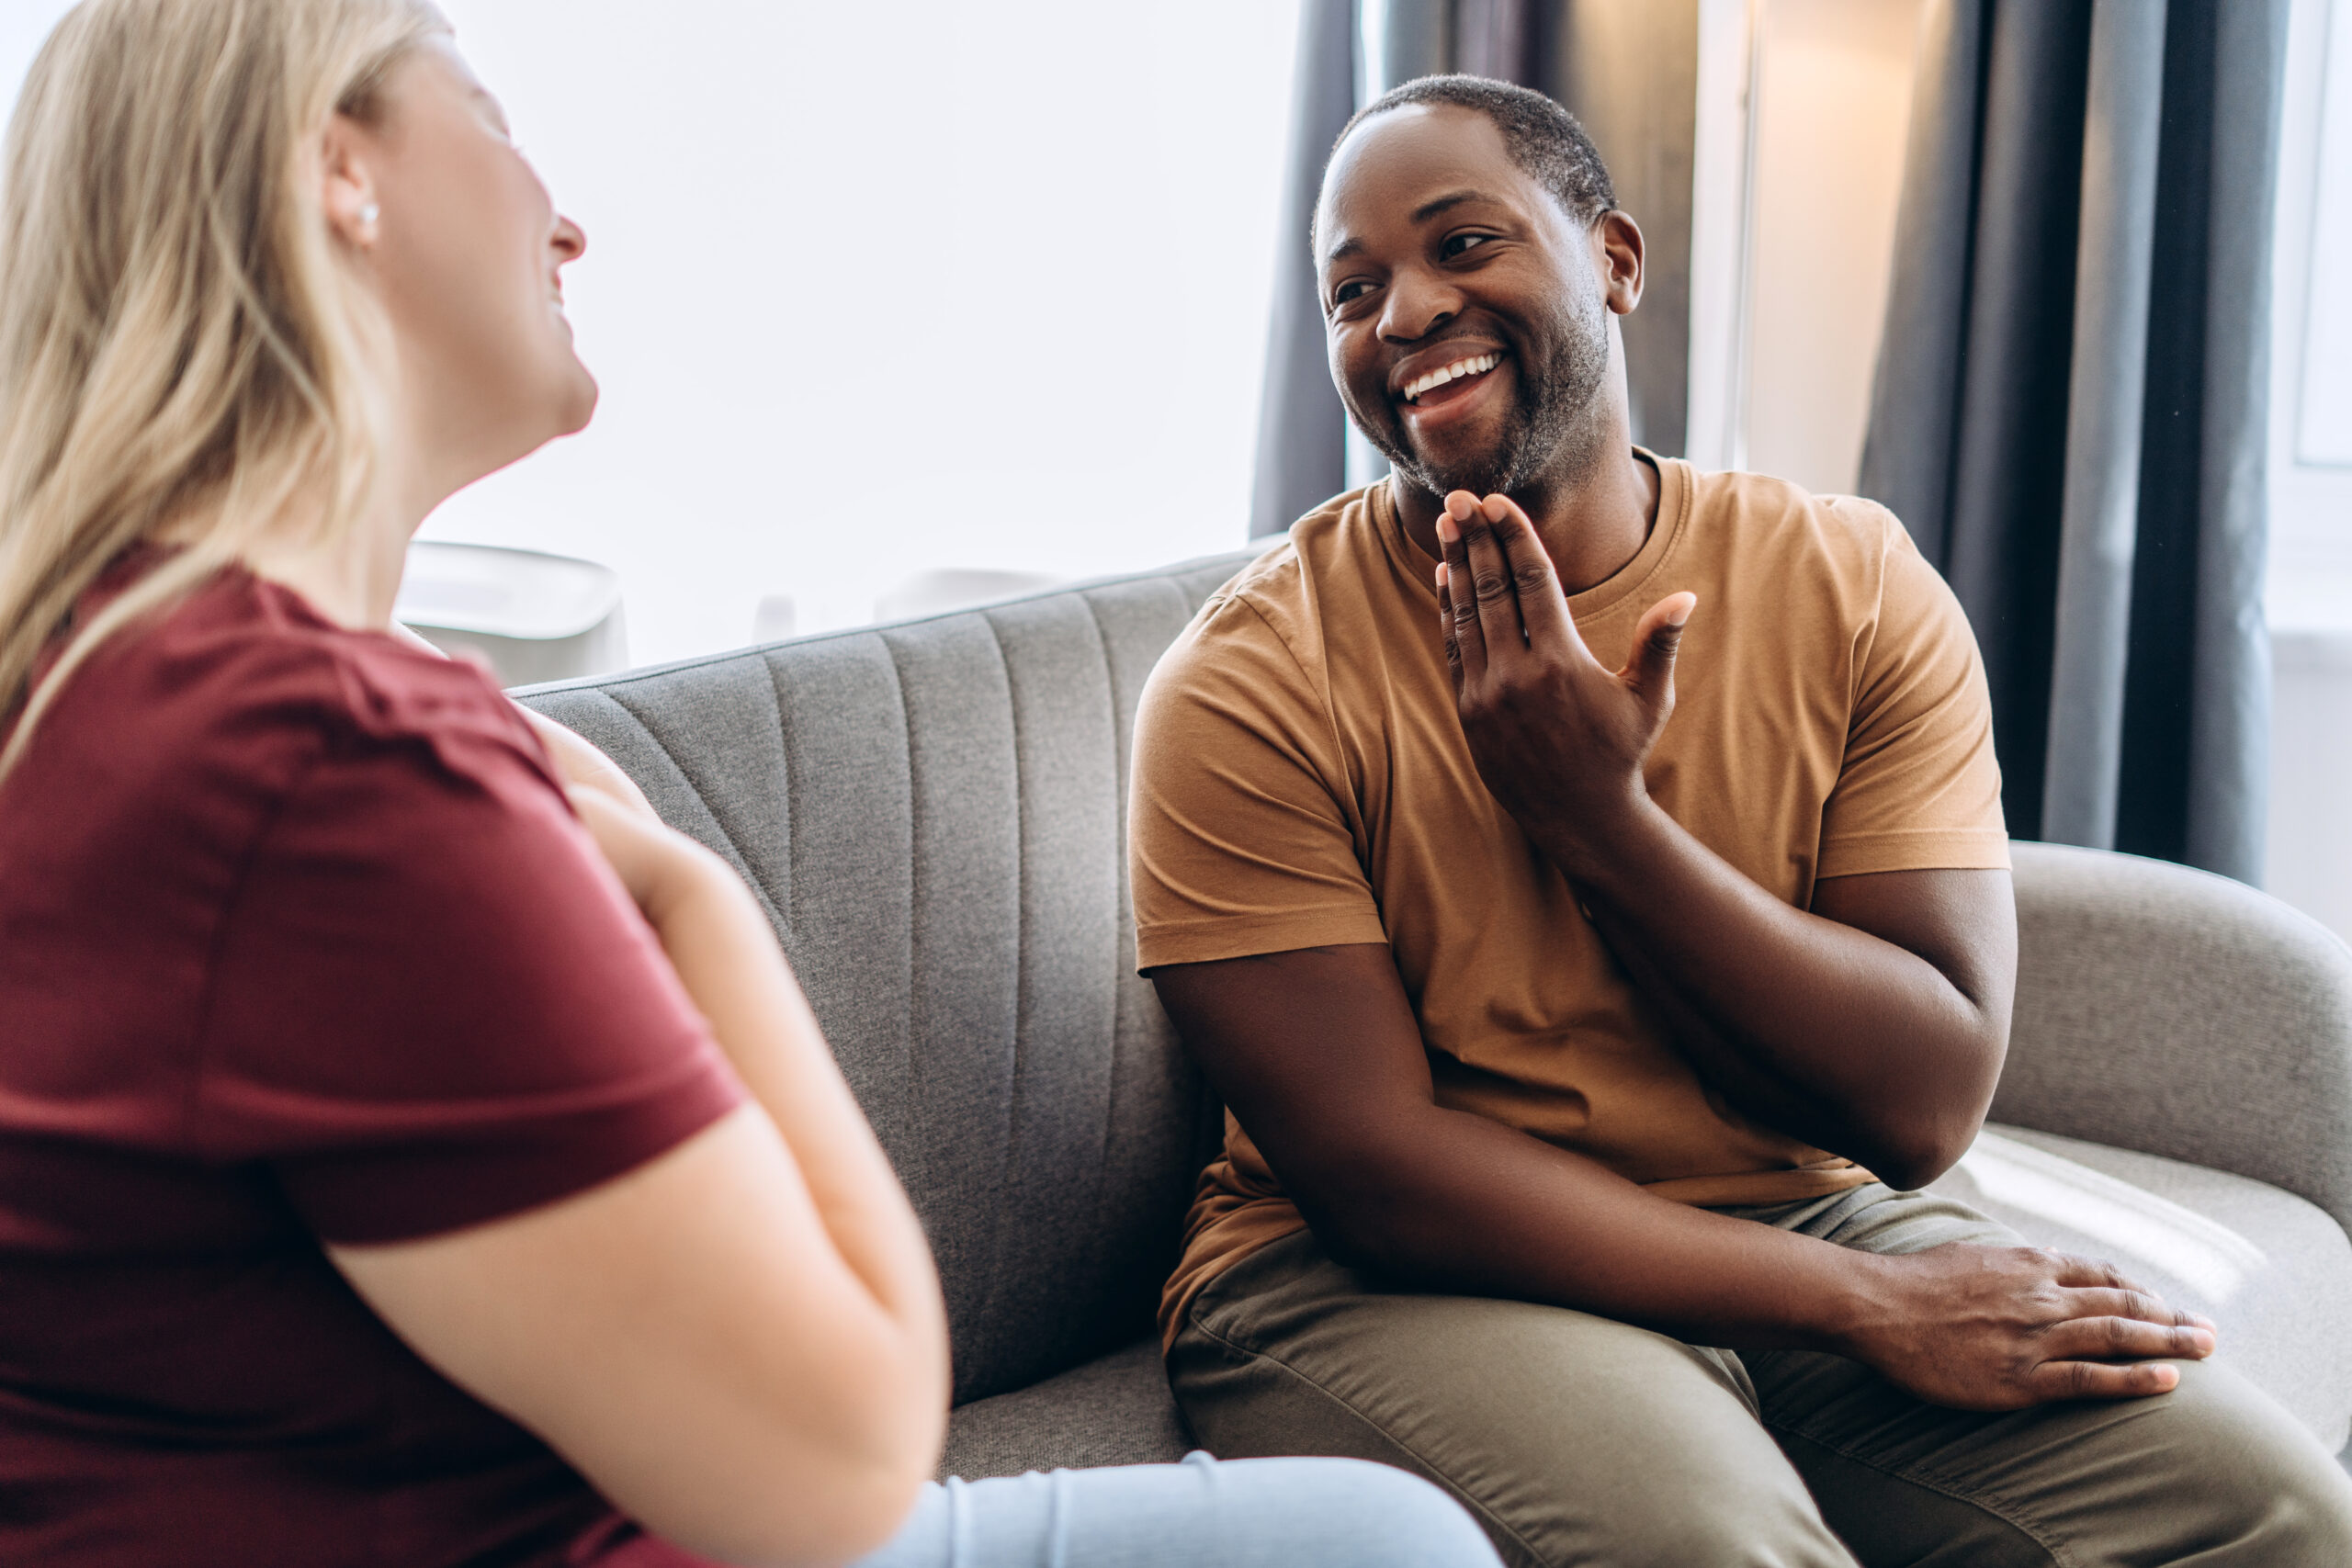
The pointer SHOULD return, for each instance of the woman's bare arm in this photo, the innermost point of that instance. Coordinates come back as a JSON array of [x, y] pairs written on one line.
[[740, 1343]]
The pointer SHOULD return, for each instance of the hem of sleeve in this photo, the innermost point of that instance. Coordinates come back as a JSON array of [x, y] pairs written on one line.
[[1914, 849], [1245, 936], [425, 1190]]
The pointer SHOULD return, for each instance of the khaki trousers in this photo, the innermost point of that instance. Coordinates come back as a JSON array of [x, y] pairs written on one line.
[[1580, 1440]]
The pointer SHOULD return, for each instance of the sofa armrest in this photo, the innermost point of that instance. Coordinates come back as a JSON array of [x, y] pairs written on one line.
[[2181, 1014]]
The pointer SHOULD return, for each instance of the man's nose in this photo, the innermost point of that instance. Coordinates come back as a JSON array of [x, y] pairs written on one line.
[[1419, 304]]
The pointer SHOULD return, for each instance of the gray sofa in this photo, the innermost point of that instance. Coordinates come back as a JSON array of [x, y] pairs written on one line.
[[932, 813]]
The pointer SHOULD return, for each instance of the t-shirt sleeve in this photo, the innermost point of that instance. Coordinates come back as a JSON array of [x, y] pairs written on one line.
[[435, 1004], [1919, 789], [1241, 837]]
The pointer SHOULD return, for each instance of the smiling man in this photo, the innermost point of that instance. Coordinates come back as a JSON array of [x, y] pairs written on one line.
[[1584, 878]]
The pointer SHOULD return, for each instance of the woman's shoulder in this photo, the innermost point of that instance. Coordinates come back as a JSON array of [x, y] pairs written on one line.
[[211, 713], [256, 660], [268, 653]]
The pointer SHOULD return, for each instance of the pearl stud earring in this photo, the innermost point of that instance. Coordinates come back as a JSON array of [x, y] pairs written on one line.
[[368, 214]]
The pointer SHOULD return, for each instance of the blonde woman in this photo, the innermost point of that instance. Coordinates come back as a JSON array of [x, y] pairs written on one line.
[[411, 1152]]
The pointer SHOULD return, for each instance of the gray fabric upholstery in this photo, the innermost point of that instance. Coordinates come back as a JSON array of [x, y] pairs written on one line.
[[932, 814], [2183, 1014], [1113, 1410]]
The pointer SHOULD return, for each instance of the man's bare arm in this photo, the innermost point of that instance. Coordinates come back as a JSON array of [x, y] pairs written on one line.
[[1873, 1025], [1318, 1054]]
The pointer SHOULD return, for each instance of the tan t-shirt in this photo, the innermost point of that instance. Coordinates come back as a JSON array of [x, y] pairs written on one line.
[[1301, 780]]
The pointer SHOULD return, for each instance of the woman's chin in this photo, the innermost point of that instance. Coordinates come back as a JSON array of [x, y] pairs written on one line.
[[580, 402]]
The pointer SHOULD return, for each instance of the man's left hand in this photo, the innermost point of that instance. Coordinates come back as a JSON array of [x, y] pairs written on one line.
[[1558, 738]]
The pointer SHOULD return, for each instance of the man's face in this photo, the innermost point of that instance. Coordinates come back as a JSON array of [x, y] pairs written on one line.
[[1436, 254]]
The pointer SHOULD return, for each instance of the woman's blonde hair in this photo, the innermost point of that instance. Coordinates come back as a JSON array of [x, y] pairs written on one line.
[[179, 344]]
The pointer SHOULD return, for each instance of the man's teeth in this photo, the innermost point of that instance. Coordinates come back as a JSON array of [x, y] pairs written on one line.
[[1475, 366]]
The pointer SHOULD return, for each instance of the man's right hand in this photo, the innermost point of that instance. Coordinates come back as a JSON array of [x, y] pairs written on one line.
[[2002, 1328]]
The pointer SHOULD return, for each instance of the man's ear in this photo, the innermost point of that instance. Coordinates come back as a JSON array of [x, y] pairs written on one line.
[[347, 183], [1617, 248]]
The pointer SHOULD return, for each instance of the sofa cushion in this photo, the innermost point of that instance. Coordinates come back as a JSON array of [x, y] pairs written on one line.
[[1114, 1410], [2165, 1008], [2273, 1272], [933, 813]]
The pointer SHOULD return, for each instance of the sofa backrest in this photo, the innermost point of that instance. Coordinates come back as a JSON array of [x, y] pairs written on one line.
[[934, 814]]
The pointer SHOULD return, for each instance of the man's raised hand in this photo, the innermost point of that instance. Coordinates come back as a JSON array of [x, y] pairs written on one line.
[[1559, 739]]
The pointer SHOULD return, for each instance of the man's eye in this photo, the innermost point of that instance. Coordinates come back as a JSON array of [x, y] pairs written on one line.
[[1457, 243], [1354, 288]]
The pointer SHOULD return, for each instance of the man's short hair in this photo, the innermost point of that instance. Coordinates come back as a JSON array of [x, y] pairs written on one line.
[[1543, 139]]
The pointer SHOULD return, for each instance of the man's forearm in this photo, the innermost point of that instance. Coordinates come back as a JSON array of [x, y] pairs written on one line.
[[1822, 1031], [1473, 1205]]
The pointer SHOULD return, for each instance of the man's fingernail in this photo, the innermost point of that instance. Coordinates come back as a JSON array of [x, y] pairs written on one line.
[[1461, 504], [1496, 508], [1446, 532]]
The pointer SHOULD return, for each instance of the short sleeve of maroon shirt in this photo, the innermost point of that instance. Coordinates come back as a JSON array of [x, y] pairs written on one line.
[[431, 1002], [299, 939]]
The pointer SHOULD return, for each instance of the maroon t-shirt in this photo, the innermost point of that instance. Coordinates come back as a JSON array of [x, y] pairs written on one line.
[[299, 939]]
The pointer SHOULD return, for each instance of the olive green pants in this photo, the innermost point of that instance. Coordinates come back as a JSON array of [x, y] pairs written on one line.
[[1580, 1440]]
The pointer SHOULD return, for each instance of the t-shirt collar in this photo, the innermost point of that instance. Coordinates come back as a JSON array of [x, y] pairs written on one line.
[[1626, 583]]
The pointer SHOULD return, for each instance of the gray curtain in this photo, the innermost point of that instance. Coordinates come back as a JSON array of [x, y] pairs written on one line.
[[1627, 68], [2071, 403], [1302, 457]]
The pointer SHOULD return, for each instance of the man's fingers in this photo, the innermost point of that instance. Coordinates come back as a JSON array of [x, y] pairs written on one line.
[[1534, 582], [2129, 1301], [1649, 667], [2073, 1269], [1445, 627], [2125, 1339], [1470, 630], [2097, 1273], [2097, 1380], [1483, 576]]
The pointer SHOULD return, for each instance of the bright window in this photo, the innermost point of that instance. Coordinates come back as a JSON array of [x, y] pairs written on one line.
[[877, 290], [2310, 388]]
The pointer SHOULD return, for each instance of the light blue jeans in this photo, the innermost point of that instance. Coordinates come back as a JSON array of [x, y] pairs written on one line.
[[1203, 1513]]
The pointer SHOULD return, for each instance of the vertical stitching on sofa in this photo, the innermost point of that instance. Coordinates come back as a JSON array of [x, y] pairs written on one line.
[[914, 862], [1010, 1146], [789, 747], [717, 825], [992, 1212], [1118, 894], [919, 1150]]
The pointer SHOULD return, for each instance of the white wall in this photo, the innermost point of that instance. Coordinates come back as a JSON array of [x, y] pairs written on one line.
[[872, 290], [1832, 104], [2310, 861]]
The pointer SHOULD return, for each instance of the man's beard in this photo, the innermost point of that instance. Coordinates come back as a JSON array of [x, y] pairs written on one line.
[[1552, 433]]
